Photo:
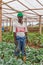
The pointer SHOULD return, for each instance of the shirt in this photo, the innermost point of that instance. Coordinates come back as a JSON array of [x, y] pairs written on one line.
[[20, 29]]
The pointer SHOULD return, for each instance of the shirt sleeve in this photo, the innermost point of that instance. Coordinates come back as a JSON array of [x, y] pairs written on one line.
[[14, 27]]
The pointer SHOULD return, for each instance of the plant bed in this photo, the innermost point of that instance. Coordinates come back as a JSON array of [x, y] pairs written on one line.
[[33, 56], [35, 39]]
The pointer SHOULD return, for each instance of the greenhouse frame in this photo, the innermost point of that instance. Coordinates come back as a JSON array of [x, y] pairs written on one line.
[[32, 9]]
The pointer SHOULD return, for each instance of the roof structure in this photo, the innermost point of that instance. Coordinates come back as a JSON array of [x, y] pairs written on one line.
[[31, 8]]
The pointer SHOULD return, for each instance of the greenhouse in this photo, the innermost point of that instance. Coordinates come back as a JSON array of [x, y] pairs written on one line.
[[33, 18]]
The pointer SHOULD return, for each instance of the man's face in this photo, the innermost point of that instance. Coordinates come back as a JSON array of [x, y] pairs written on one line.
[[20, 19]]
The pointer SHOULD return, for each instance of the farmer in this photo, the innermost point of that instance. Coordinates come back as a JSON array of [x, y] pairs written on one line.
[[20, 36]]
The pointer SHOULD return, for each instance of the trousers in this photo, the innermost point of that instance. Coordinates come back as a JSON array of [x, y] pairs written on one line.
[[21, 42]]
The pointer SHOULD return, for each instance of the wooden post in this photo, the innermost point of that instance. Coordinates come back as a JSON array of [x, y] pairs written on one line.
[[7, 23], [0, 21], [25, 20], [40, 26], [10, 25], [32, 24], [3, 23]]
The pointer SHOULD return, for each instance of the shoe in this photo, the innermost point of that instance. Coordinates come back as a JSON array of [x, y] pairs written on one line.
[[24, 58]]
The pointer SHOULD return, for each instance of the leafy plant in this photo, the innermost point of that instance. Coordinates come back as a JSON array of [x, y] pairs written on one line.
[[34, 56]]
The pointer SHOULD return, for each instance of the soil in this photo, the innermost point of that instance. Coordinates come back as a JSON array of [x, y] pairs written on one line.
[[34, 46]]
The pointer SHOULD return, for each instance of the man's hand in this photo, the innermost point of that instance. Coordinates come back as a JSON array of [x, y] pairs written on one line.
[[26, 37], [16, 42], [26, 40]]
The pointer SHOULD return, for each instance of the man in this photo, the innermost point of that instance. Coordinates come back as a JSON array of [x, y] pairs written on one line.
[[20, 35]]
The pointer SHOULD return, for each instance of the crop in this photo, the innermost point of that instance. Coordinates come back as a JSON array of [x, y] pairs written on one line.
[[34, 38], [33, 56]]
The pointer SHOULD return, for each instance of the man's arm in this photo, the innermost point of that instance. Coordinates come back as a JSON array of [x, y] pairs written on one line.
[[15, 38], [26, 37], [14, 33]]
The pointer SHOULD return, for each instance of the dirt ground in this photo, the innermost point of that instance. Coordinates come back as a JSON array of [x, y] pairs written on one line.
[[34, 46]]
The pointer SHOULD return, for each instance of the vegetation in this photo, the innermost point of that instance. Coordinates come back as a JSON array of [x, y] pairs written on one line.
[[8, 37], [34, 56], [34, 38]]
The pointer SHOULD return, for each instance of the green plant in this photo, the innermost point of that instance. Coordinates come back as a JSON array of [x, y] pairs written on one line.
[[34, 56]]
